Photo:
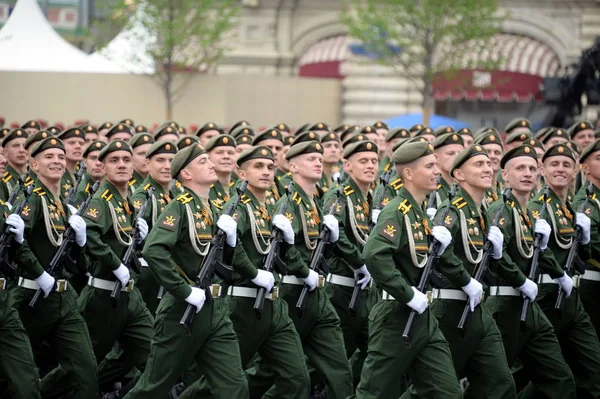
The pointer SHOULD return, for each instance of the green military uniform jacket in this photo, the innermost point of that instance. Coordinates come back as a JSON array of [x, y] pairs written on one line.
[[67, 181], [390, 191], [592, 210], [219, 195], [10, 179], [135, 182], [384, 165], [160, 199], [441, 193], [83, 191], [282, 179]]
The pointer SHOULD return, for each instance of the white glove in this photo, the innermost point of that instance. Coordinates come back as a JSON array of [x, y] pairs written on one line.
[[363, 282], [122, 273], [431, 212], [284, 224], [229, 227], [418, 302], [335, 177], [543, 229], [475, 291], [566, 283], [78, 225], [312, 279], [529, 289], [46, 283], [497, 239], [17, 227], [585, 223], [375, 215], [443, 235], [333, 225], [72, 209], [196, 298], [9, 206], [143, 228], [264, 279]]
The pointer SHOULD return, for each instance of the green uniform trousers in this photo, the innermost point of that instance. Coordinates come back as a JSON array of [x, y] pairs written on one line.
[[275, 339], [16, 357], [57, 321], [149, 288], [322, 343], [535, 344], [577, 339], [427, 360], [130, 324], [588, 292], [213, 345]]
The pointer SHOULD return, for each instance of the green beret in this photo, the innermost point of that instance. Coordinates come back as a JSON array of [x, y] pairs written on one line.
[[367, 130], [447, 139], [74, 132], [443, 130], [161, 147], [319, 126], [184, 157], [164, 130], [86, 129], [302, 128], [308, 147], [523, 150], [244, 139], [535, 143], [552, 132], [558, 150], [486, 130], [590, 150], [282, 127], [170, 123], [400, 143], [381, 125], [56, 130], [113, 146], [269, 134], [140, 139], [31, 124], [578, 127], [105, 125], [120, 128], [4, 132], [141, 129], [329, 137], [187, 141], [14, 134], [416, 128], [182, 130], [35, 137], [518, 136], [127, 122], [46, 144], [515, 123], [349, 132], [306, 136], [540, 134], [354, 139], [361, 146], [288, 140], [465, 155], [242, 130], [417, 140], [572, 145], [491, 137], [96, 145], [236, 125], [341, 128], [260, 151], [207, 127], [425, 130], [397, 133], [465, 131], [222, 140], [410, 152]]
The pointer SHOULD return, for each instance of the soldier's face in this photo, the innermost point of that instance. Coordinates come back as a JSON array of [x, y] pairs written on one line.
[[362, 166], [15, 151], [559, 171], [3, 162], [584, 138], [540, 153], [331, 152], [445, 156], [74, 148], [201, 171], [476, 172], [223, 158], [468, 140], [308, 166], [555, 140], [428, 137], [280, 161], [275, 145], [521, 174], [241, 147], [50, 164], [168, 137], [120, 136], [89, 138], [118, 167], [93, 166], [139, 158], [423, 173], [591, 167], [206, 136], [494, 154], [159, 167], [260, 173]]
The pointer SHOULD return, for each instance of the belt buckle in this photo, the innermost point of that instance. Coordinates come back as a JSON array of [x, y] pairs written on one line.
[[321, 281], [274, 294], [429, 295], [215, 290], [130, 285], [61, 285]]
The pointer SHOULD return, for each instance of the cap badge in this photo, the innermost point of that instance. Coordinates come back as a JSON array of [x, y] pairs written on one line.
[[118, 145], [264, 152], [561, 149], [527, 150], [168, 147], [225, 140]]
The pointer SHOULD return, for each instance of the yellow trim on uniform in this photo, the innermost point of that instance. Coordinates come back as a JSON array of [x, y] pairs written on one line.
[[39, 191], [185, 198], [7, 177], [297, 198], [106, 195], [132, 182], [245, 199], [404, 207]]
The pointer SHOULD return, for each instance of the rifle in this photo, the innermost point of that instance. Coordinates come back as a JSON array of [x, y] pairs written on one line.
[[63, 249], [17, 191], [428, 270], [7, 238], [130, 259], [482, 269], [317, 255], [573, 259], [272, 260], [537, 239], [212, 264], [433, 195], [78, 178]]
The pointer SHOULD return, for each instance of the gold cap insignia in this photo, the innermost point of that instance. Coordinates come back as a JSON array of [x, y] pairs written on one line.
[[188, 141], [318, 147], [527, 150], [532, 142], [523, 137], [561, 149], [19, 133], [118, 145], [361, 137], [53, 142], [369, 146], [32, 123], [455, 137], [331, 135], [168, 147], [210, 125], [311, 135], [245, 131], [245, 139], [478, 148], [264, 152], [448, 129], [169, 130], [281, 126], [225, 140], [492, 138], [77, 133], [44, 135], [273, 133], [430, 147], [582, 125], [120, 127], [320, 125], [98, 145], [523, 123], [146, 138]]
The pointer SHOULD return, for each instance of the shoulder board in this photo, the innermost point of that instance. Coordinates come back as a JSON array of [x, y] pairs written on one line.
[[212, 185], [397, 184], [289, 174], [2, 202], [245, 199], [132, 182], [404, 207], [387, 167], [29, 181], [185, 198], [348, 190], [147, 186], [439, 186], [106, 195], [39, 191], [510, 203], [87, 187], [541, 198], [459, 203], [231, 183], [7, 177], [296, 198]]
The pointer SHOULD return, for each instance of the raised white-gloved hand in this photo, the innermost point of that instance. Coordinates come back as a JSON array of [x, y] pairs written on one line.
[[364, 281], [229, 227], [312, 279], [196, 298], [264, 279], [497, 239], [284, 224], [418, 302], [566, 283], [375, 215], [431, 212], [72, 209], [529, 289], [78, 225], [46, 283], [142, 227], [122, 273], [475, 291], [17, 227], [585, 223], [333, 225], [444, 237], [543, 229]]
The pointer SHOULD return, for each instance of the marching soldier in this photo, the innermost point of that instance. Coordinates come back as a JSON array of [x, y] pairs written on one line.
[[490, 140], [93, 171], [331, 161], [221, 151], [187, 141], [390, 140], [91, 134], [29, 146], [516, 139], [467, 136], [273, 139], [553, 136], [207, 132], [582, 134], [74, 141], [283, 176], [446, 147], [13, 145], [120, 131], [167, 132], [139, 143], [535, 343], [174, 251]]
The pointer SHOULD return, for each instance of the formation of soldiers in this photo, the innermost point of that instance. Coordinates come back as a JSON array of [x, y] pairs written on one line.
[[359, 261]]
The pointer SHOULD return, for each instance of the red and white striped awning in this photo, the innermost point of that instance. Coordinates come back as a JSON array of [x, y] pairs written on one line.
[[323, 58]]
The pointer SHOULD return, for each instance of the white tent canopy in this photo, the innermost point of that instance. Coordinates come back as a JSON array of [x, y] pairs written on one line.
[[29, 43]]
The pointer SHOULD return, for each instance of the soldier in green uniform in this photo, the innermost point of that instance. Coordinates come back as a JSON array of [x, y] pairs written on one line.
[[56, 319], [572, 325], [516, 139], [490, 140], [174, 251], [535, 343], [517, 125], [109, 219], [91, 134], [446, 147], [402, 232], [139, 143], [273, 139], [29, 145], [221, 152], [13, 146], [3, 188], [74, 141], [31, 126], [93, 171], [207, 132], [283, 176], [382, 130], [427, 133], [553, 136], [332, 155], [120, 131], [167, 132], [187, 141], [319, 128], [390, 140], [582, 134]]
